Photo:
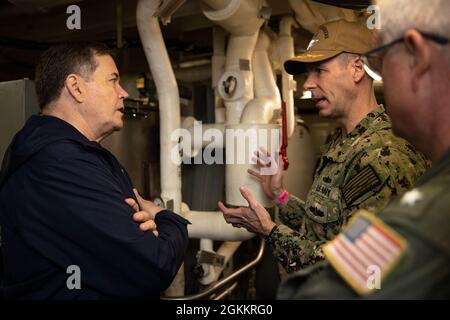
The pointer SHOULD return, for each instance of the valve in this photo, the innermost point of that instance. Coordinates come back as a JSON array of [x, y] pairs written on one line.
[[284, 143]]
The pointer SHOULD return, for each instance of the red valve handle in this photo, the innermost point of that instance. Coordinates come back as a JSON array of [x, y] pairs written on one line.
[[284, 144]]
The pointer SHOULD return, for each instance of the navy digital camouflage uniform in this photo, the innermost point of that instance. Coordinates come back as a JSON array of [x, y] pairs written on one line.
[[423, 272], [364, 169]]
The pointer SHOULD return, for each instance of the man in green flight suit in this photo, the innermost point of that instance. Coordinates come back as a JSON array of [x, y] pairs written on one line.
[[363, 166], [413, 247]]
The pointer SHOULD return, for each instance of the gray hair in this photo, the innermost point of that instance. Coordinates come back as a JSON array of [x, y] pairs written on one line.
[[398, 16], [345, 58]]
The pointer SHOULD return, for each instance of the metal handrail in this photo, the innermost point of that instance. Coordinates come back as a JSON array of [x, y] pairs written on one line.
[[225, 293], [225, 280]]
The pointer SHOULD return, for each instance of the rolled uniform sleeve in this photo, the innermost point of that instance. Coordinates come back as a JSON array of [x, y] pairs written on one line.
[[293, 249], [293, 212]]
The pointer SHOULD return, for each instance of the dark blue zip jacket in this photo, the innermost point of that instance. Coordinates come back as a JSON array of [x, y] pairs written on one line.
[[62, 204]]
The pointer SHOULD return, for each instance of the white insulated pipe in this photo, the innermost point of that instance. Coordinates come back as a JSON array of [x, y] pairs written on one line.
[[239, 17], [265, 82], [286, 52], [168, 97], [311, 14], [169, 112], [212, 225], [258, 111], [207, 245], [267, 96]]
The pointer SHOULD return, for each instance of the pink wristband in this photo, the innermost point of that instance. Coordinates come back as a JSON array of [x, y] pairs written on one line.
[[283, 197]]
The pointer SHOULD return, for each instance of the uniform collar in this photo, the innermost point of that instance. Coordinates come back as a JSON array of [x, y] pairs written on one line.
[[367, 123]]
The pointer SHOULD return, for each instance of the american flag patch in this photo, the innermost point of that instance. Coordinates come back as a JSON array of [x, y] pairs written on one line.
[[367, 245]]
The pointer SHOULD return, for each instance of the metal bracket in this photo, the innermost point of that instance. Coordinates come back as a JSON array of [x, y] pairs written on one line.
[[210, 258]]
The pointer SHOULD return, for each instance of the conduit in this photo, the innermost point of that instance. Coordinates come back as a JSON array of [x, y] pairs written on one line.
[[169, 112]]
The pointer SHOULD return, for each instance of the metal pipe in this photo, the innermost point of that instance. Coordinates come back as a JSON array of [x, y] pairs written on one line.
[[212, 225], [169, 102]]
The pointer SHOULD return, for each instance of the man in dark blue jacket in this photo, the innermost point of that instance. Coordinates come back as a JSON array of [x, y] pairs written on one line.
[[71, 224]]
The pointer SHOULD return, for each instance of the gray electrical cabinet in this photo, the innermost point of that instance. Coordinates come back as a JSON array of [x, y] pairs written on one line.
[[18, 102]]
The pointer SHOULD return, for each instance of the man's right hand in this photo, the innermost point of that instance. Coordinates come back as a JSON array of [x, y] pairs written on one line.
[[271, 184], [147, 205], [145, 212]]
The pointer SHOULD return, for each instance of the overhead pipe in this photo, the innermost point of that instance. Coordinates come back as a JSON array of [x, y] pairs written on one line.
[[238, 17], [169, 111]]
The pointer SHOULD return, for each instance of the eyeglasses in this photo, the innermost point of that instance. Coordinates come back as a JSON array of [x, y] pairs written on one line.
[[374, 58]]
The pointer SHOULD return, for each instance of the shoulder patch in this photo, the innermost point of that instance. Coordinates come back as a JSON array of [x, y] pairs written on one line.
[[365, 252], [361, 183]]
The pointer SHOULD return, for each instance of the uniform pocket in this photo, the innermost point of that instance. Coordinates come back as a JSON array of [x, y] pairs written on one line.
[[324, 204]]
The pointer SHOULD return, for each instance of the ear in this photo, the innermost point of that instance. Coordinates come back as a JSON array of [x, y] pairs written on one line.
[[420, 56], [75, 86], [358, 69]]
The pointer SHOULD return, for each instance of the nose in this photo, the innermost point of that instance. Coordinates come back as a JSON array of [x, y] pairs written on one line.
[[122, 93], [310, 83]]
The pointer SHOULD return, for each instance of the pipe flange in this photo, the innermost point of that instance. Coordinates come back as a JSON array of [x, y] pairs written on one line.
[[231, 86]]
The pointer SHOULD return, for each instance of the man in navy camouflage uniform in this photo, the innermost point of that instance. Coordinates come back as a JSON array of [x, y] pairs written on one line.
[[363, 166]]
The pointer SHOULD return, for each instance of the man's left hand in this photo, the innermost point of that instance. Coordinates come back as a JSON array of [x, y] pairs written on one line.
[[255, 218]]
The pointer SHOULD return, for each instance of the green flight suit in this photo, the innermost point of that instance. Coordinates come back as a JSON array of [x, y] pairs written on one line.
[[424, 271]]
